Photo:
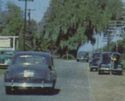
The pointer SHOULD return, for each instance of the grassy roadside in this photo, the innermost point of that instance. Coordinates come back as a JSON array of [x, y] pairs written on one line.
[[2, 71], [107, 87], [123, 62]]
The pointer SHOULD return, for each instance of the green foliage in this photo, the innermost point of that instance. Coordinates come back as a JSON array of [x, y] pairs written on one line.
[[12, 20], [66, 13]]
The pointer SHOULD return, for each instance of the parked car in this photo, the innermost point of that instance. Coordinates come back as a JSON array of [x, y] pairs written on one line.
[[5, 58], [117, 66], [94, 64], [105, 64], [94, 61], [96, 55], [82, 56], [30, 69]]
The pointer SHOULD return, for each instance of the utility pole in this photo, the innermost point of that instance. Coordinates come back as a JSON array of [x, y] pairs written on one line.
[[29, 15], [25, 22], [0, 5], [109, 40], [0, 15], [29, 35]]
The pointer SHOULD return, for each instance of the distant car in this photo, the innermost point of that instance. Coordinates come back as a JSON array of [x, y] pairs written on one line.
[[30, 70], [96, 55], [105, 63], [5, 58], [94, 64], [82, 56], [94, 61], [117, 66]]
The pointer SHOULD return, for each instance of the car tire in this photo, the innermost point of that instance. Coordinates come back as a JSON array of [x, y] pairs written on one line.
[[77, 60], [53, 84], [8, 90], [99, 72], [91, 69], [112, 72], [121, 73]]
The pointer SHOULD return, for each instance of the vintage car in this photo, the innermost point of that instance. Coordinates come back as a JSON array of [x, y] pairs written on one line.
[[5, 58], [94, 61], [30, 69], [96, 55], [94, 64], [105, 63], [82, 56], [117, 66]]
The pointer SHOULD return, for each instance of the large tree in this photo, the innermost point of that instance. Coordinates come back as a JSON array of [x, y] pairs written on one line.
[[67, 22], [12, 19]]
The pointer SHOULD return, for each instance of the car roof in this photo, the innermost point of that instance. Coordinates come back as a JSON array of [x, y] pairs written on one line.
[[106, 52], [44, 54], [116, 53], [33, 52], [96, 53], [30, 52]]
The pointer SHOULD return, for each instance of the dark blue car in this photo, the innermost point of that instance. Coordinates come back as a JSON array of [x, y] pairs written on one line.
[[117, 66], [30, 69], [105, 63], [95, 61], [94, 64]]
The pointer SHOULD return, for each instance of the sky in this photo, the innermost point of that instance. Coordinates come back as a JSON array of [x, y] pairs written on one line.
[[39, 7]]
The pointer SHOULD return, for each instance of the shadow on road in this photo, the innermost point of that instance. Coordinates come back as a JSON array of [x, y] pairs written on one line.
[[36, 92]]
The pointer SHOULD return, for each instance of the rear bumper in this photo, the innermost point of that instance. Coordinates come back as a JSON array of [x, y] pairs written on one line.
[[104, 70], [93, 67], [29, 85], [82, 59], [3, 66], [117, 71]]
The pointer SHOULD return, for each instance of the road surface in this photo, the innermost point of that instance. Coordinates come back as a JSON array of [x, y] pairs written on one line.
[[73, 84]]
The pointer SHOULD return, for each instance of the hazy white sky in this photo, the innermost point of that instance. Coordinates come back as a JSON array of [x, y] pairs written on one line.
[[39, 6]]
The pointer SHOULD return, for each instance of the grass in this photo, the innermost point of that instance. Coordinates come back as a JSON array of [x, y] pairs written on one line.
[[107, 87], [2, 70], [123, 62]]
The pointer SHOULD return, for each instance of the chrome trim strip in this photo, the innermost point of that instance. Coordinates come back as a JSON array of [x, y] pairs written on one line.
[[102, 68], [93, 66], [25, 85]]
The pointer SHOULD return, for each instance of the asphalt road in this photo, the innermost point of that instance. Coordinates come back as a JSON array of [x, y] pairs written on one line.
[[72, 85]]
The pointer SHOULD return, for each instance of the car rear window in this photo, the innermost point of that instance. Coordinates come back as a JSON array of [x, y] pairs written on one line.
[[30, 59], [96, 55], [106, 58]]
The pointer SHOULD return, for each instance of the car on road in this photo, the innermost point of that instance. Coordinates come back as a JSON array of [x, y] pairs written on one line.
[[117, 66], [5, 58], [28, 70], [94, 64], [82, 56], [96, 55], [105, 64], [94, 61]]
